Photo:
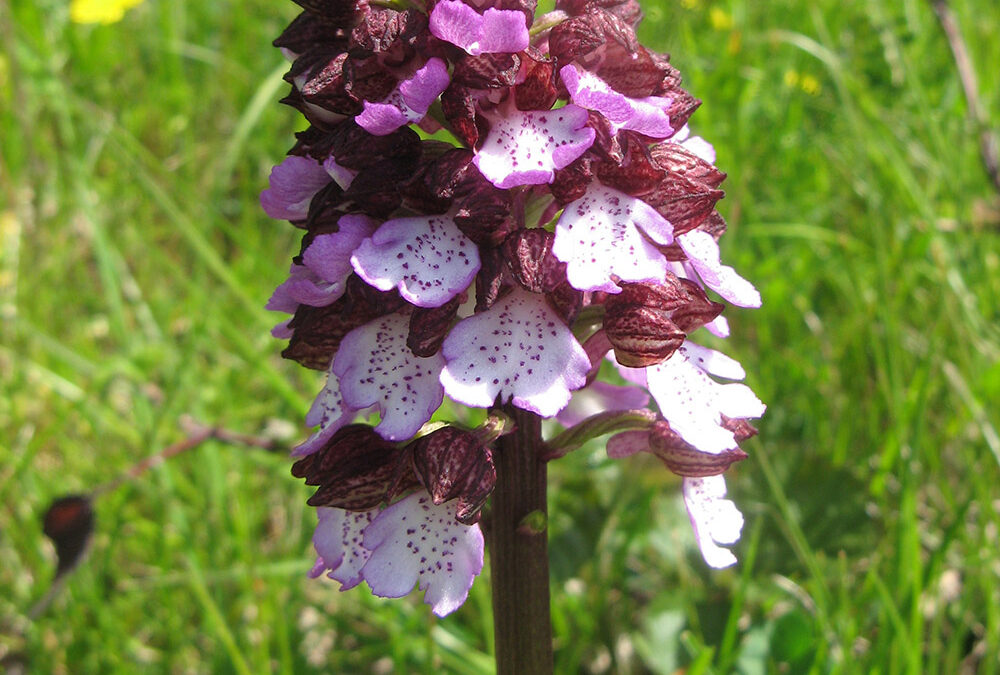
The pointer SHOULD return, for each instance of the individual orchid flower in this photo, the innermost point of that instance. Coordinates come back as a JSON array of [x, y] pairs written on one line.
[[570, 220], [412, 542]]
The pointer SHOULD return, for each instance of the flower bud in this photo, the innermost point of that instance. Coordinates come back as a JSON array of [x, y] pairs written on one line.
[[355, 470], [453, 463]]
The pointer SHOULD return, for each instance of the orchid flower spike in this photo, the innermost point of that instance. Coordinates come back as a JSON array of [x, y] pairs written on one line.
[[572, 220]]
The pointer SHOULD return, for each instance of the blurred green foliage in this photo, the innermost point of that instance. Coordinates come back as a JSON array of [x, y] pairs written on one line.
[[134, 264]]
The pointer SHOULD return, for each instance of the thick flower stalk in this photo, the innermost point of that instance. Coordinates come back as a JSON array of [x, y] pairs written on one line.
[[552, 213]]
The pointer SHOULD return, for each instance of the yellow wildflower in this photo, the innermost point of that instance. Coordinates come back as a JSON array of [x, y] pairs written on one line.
[[720, 19], [100, 11]]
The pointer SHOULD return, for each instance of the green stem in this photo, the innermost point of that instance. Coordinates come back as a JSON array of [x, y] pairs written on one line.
[[519, 560]]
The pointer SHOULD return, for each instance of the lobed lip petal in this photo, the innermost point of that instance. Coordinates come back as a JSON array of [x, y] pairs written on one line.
[[600, 236], [375, 367], [408, 102], [426, 257], [526, 148], [338, 542], [293, 184], [694, 404], [647, 115], [519, 350], [715, 520], [703, 253], [415, 541], [493, 31]]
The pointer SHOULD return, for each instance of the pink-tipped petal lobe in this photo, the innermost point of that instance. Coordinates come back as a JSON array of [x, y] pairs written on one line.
[[715, 520], [339, 543]]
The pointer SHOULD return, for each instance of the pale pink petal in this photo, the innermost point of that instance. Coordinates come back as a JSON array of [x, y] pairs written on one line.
[[427, 258], [415, 541], [694, 404], [329, 255], [282, 331], [715, 520], [633, 375], [526, 148], [493, 31], [628, 443], [293, 184], [713, 362], [703, 253], [520, 350], [719, 327], [647, 115], [329, 413], [376, 368], [339, 543], [601, 397], [598, 236], [341, 175], [408, 102], [695, 144]]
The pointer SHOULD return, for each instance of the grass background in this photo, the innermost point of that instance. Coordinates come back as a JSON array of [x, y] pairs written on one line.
[[134, 264]]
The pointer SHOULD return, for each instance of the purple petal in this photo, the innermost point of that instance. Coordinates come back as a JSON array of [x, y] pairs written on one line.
[[293, 184], [526, 148], [421, 90], [426, 257], [601, 397], [322, 280], [302, 287], [645, 115], [520, 350], [329, 413], [703, 253], [715, 520], [338, 542], [329, 255], [408, 102], [415, 541], [694, 404], [377, 368], [598, 237], [627, 443], [493, 31]]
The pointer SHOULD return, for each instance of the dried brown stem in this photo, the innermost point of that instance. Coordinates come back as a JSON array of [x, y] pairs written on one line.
[[988, 144]]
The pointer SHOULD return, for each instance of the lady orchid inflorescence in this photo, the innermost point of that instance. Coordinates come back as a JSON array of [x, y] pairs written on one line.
[[569, 220]]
